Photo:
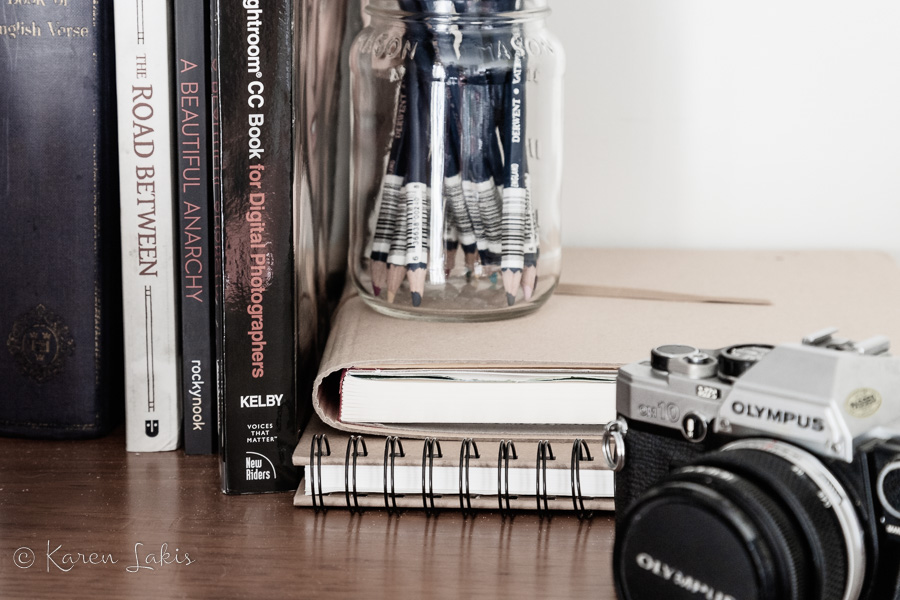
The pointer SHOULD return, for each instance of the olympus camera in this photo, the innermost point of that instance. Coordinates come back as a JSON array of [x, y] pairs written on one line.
[[758, 471]]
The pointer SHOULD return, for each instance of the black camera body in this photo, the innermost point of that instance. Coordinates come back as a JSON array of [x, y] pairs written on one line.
[[754, 472]]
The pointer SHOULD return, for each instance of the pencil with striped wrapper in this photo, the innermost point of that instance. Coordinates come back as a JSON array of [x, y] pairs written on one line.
[[391, 192], [514, 192]]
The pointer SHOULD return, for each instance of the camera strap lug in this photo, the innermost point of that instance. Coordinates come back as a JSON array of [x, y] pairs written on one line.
[[613, 444]]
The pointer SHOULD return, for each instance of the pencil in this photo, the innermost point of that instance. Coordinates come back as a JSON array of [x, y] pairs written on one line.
[[396, 269], [514, 192], [455, 187], [491, 198], [457, 228], [451, 244], [397, 254], [532, 249], [478, 182], [416, 190], [391, 192]]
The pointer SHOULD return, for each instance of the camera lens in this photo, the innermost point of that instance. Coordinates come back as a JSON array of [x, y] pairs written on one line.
[[757, 519]]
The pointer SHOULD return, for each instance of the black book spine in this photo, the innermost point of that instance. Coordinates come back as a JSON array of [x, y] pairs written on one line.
[[259, 420], [192, 123], [60, 304], [216, 185]]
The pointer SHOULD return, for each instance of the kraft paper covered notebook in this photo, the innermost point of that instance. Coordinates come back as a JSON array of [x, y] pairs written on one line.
[[611, 307]]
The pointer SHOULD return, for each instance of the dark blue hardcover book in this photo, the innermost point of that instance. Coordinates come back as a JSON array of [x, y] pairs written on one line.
[[194, 181], [60, 286]]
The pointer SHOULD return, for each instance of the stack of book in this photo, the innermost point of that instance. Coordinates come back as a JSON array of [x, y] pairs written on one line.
[[512, 414], [176, 203], [231, 155]]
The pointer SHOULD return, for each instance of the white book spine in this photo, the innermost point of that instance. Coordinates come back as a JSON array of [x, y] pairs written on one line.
[[143, 63]]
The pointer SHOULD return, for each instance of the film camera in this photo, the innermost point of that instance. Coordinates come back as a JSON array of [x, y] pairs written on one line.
[[755, 471]]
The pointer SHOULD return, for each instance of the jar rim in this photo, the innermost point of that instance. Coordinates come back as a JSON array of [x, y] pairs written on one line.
[[531, 9]]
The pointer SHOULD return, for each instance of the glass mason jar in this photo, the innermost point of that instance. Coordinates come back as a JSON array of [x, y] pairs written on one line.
[[456, 160]]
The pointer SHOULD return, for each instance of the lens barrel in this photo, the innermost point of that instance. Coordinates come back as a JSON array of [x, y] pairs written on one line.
[[758, 519]]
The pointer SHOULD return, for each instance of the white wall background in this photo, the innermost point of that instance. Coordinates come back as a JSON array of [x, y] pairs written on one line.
[[731, 124]]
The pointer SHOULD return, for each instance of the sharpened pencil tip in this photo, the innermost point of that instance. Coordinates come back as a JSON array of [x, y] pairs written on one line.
[[527, 291], [416, 298], [510, 299], [376, 290]]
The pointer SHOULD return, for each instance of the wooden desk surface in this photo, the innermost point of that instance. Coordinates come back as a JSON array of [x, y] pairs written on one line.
[[66, 505]]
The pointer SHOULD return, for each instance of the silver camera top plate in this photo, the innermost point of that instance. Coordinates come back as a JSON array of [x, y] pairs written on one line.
[[826, 400]]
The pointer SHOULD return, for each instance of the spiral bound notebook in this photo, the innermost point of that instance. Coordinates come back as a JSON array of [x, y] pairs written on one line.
[[343, 470]]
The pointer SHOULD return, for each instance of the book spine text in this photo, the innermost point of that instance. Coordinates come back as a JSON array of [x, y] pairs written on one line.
[[255, 133], [196, 226], [152, 399]]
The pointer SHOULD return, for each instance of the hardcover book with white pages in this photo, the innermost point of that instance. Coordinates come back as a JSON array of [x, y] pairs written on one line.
[[386, 376], [477, 396]]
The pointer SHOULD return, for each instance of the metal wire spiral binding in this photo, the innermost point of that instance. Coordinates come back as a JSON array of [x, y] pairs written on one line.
[[315, 467], [353, 449]]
